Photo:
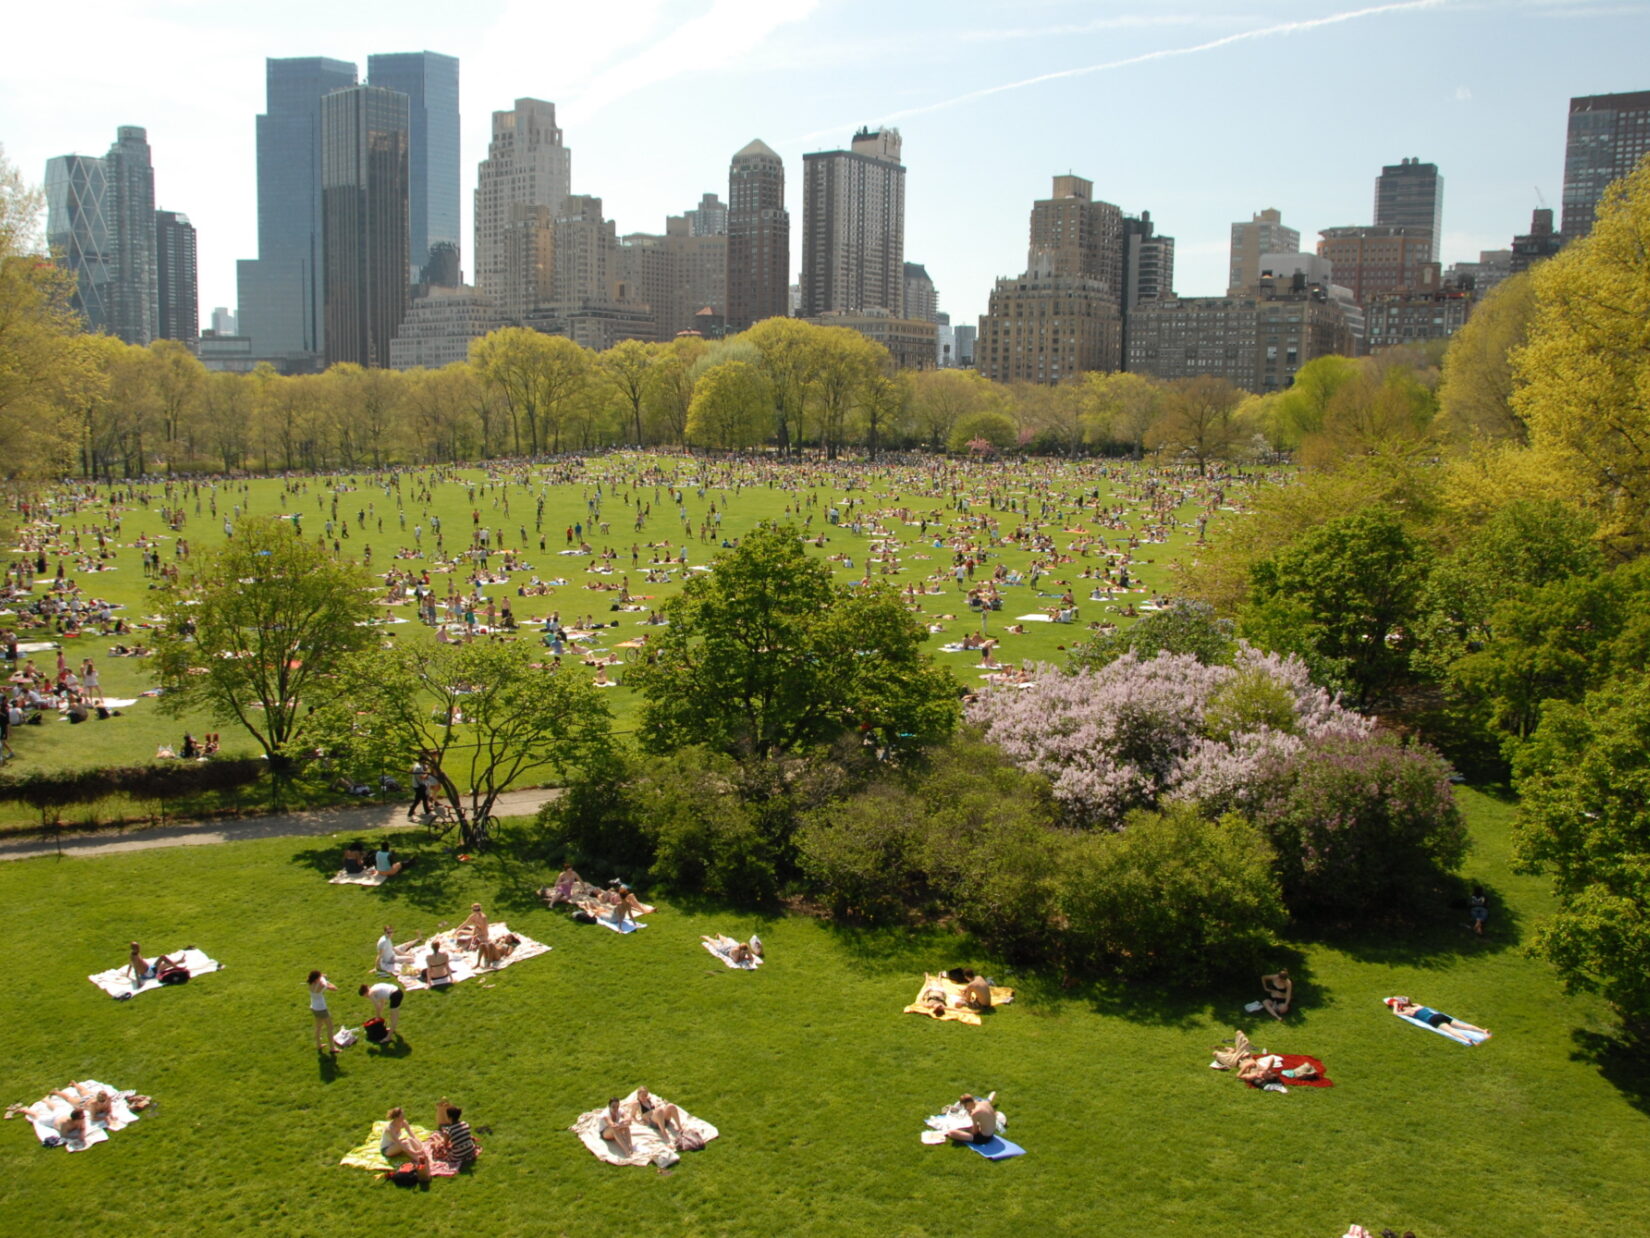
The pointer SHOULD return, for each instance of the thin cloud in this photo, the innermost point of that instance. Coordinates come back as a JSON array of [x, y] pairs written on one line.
[[1291, 27], [1122, 21]]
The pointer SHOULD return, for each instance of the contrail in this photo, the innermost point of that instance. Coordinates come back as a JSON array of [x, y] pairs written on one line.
[[1290, 27]]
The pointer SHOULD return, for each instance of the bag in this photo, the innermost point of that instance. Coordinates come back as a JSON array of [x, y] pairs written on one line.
[[691, 1141], [173, 975], [583, 917], [344, 1037], [405, 1174], [376, 1031]]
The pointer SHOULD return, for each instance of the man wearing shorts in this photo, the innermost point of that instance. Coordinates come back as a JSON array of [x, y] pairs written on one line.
[[982, 1126]]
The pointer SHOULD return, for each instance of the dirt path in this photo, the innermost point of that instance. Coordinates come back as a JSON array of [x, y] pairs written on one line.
[[369, 819]]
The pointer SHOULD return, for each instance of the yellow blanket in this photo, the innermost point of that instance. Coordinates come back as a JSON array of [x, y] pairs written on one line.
[[956, 1008], [369, 1155]]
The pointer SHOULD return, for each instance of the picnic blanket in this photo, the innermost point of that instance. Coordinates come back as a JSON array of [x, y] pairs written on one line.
[[369, 1155], [463, 962], [643, 1138], [954, 1116], [602, 911], [1456, 1034], [724, 952], [1290, 1061], [117, 982], [954, 1011], [45, 1128], [368, 877]]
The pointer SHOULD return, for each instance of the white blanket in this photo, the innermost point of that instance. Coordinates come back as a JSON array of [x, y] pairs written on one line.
[[119, 983], [643, 1138], [50, 1109], [463, 962], [725, 953], [371, 877]]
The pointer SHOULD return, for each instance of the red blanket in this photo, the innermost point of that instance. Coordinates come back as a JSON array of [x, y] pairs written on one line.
[[1290, 1062]]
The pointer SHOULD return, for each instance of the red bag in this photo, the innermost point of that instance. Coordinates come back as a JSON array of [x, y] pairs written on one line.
[[375, 1030]]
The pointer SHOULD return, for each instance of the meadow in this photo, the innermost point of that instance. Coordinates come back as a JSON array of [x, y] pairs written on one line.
[[817, 1082]]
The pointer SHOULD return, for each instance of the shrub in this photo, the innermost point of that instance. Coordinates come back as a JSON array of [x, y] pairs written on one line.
[[863, 854], [1184, 627], [1173, 896]]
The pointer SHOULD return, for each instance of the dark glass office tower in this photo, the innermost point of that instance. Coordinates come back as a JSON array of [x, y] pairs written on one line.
[[430, 82], [176, 277], [280, 290], [1608, 136], [364, 181], [80, 232], [1411, 194]]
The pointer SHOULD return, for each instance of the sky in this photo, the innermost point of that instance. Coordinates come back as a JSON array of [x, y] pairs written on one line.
[[1200, 111]]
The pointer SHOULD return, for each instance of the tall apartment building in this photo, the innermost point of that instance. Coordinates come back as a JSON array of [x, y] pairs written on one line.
[[176, 282], [430, 82], [1263, 234], [1064, 315], [364, 192], [100, 225], [700, 274], [521, 187], [922, 301], [1608, 136], [281, 303], [1410, 194], [709, 218], [1538, 243], [586, 258], [853, 233], [1378, 258], [1148, 262], [440, 326], [759, 238]]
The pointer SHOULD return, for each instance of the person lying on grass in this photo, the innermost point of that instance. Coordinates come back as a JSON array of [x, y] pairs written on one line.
[[982, 1125], [98, 1103], [149, 971], [737, 951], [491, 953], [1455, 1029]]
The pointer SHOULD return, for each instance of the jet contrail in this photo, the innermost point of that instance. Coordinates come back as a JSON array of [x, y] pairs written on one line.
[[1291, 27]]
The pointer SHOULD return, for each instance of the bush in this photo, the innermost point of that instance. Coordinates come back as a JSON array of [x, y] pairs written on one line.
[[863, 855], [1173, 895], [1360, 824], [50, 793], [1185, 627]]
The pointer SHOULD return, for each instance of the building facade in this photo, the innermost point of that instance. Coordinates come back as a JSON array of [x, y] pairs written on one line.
[[430, 82], [440, 325], [1538, 243], [176, 280], [80, 233], [922, 300], [1148, 262], [1263, 234], [1393, 318], [709, 218], [911, 342], [1257, 342], [759, 238], [1410, 194], [1380, 258], [1608, 136], [964, 337], [364, 191], [280, 291], [853, 232], [521, 188]]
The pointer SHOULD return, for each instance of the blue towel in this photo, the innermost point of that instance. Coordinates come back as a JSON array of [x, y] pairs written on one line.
[[997, 1149], [1454, 1034]]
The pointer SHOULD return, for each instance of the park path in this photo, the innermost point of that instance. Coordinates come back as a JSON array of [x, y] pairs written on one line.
[[363, 819]]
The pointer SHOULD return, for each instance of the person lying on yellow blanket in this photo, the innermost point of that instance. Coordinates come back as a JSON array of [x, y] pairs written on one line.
[[943, 998]]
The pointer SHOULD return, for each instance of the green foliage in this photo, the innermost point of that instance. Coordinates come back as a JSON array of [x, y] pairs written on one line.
[[1347, 588], [989, 426], [764, 655], [1361, 826], [732, 407], [1584, 779], [1185, 626], [863, 855], [704, 834], [1475, 398], [50, 790], [1250, 700], [1172, 895]]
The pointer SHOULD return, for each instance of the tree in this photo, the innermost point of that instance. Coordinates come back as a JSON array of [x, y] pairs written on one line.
[[1186, 627], [1302, 409], [883, 402], [1119, 408], [1377, 406], [995, 429], [176, 379], [845, 363], [1584, 818], [732, 407], [538, 377], [479, 713], [1584, 374], [627, 367], [443, 404], [764, 655], [940, 398], [790, 362], [258, 631], [1195, 419], [1475, 398], [670, 389]]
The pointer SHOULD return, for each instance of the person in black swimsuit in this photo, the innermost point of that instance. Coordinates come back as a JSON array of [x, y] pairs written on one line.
[[1280, 991]]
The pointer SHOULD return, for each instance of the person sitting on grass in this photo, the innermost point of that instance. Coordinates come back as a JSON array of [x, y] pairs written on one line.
[[437, 968], [1455, 1029], [616, 1127], [562, 892], [1280, 991], [472, 933], [399, 1141], [982, 1124], [454, 1142], [384, 862], [149, 971], [355, 858], [659, 1116]]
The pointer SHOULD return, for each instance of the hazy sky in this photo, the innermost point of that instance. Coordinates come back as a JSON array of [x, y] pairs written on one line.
[[1199, 111]]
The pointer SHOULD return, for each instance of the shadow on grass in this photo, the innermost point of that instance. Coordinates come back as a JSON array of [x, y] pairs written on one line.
[[394, 1047], [1436, 936], [422, 885], [1623, 1061], [910, 949], [327, 1065]]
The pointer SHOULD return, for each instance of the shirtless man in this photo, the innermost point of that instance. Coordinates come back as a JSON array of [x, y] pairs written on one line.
[[1455, 1029], [472, 934], [982, 1121], [977, 993]]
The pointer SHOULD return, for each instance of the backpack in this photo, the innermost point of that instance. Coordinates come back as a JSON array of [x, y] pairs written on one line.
[[375, 1030], [691, 1141], [173, 975], [406, 1174]]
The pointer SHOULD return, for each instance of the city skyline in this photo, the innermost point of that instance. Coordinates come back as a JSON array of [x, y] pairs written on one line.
[[656, 96]]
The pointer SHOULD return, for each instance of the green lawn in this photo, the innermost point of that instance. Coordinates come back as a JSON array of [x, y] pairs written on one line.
[[804, 490], [817, 1082]]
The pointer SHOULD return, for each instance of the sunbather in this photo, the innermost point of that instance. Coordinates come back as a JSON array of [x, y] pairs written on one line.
[[982, 1121], [71, 1126], [737, 951], [149, 971], [97, 1102], [616, 1127], [562, 891], [437, 966], [385, 863], [355, 858], [473, 930], [658, 1116], [977, 993], [494, 951], [1455, 1029], [1280, 991], [398, 1140]]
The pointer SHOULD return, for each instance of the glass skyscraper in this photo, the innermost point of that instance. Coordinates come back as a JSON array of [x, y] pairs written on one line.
[[1608, 136], [79, 230], [430, 82], [176, 277], [281, 304], [1411, 194], [364, 182], [100, 224]]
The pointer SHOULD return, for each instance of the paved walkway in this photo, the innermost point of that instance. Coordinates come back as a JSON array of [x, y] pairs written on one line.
[[367, 819]]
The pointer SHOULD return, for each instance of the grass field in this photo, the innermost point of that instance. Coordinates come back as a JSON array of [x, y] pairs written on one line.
[[1044, 494], [818, 1084]]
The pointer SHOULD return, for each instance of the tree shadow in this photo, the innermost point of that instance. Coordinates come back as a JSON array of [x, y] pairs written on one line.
[[1434, 934], [1621, 1059], [422, 884], [913, 949]]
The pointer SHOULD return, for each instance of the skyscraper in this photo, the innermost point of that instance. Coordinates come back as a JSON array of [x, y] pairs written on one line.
[[364, 222], [100, 225], [1148, 262], [759, 238], [80, 231], [521, 185], [1608, 135], [922, 300], [281, 305], [709, 218], [1263, 234], [178, 289], [430, 82], [853, 235], [1410, 194]]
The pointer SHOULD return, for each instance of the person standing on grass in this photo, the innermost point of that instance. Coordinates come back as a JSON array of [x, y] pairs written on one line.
[[385, 994], [318, 986], [421, 790]]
